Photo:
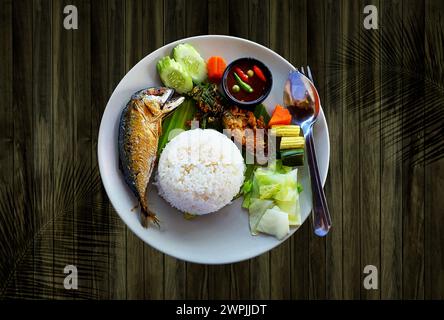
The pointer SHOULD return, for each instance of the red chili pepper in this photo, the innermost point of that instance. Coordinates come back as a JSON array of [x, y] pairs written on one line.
[[259, 73], [241, 74]]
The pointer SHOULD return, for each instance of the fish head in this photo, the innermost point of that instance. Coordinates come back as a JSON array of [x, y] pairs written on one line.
[[159, 100]]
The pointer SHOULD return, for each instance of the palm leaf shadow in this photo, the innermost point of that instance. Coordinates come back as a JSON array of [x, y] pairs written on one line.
[[416, 71], [25, 274]]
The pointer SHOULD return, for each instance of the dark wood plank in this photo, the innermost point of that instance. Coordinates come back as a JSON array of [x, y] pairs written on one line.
[[218, 11], [391, 167], [152, 39], [219, 280], [196, 18], [63, 130], [413, 175], [174, 20], [239, 27], [434, 174], [370, 161], [43, 147], [174, 278], [259, 24], [133, 53], [315, 58], [280, 268], [239, 21], [196, 281], [6, 130], [116, 70], [299, 241], [92, 255], [352, 22], [23, 150], [174, 28], [333, 109], [101, 215]]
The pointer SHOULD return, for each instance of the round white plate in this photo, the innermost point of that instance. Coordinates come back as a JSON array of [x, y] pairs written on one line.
[[218, 238]]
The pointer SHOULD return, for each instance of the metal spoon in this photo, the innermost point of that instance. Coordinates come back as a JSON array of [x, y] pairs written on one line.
[[302, 100]]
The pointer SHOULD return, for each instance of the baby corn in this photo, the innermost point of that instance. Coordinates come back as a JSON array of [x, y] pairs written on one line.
[[292, 143], [286, 131]]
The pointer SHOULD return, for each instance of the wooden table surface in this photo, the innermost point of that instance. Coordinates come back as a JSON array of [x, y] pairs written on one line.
[[382, 95]]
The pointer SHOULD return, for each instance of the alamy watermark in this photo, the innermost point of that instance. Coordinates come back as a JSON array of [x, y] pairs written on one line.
[[71, 280], [71, 20], [371, 279], [371, 18]]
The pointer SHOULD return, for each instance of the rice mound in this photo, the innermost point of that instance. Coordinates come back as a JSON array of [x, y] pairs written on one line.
[[200, 171]]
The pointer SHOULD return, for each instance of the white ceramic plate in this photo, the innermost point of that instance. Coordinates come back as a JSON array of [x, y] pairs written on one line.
[[218, 238]]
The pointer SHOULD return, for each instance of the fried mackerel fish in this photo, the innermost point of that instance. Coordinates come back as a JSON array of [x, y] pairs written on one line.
[[139, 130]]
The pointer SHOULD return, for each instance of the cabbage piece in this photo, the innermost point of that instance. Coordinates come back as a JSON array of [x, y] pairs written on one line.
[[274, 187], [269, 191], [274, 222], [257, 209], [293, 209]]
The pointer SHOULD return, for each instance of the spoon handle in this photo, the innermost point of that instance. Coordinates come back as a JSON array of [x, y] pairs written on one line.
[[321, 215]]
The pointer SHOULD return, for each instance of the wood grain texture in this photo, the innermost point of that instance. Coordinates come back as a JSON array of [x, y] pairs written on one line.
[[7, 118], [115, 33], [350, 180], [64, 142], [101, 214], [54, 87], [370, 161], [413, 175], [434, 181], [391, 168], [23, 125], [84, 226], [43, 147], [333, 109]]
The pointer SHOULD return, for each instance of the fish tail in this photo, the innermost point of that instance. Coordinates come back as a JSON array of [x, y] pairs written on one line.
[[148, 217]]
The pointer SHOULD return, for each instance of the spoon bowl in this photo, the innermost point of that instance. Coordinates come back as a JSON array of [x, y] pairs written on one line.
[[302, 100]]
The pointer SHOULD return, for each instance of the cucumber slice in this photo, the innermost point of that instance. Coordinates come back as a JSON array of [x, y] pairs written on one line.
[[173, 75], [190, 59]]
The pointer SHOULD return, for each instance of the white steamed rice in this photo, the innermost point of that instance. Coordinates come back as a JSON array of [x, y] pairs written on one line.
[[200, 171]]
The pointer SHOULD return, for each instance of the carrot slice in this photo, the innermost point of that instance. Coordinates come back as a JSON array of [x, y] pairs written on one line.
[[215, 67], [280, 116]]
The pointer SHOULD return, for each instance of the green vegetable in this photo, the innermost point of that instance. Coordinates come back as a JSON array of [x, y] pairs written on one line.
[[261, 110], [209, 100], [173, 75], [274, 187], [250, 73], [192, 62], [235, 88], [176, 122], [243, 85], [300, 188], [293, 209], [292, 157]]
